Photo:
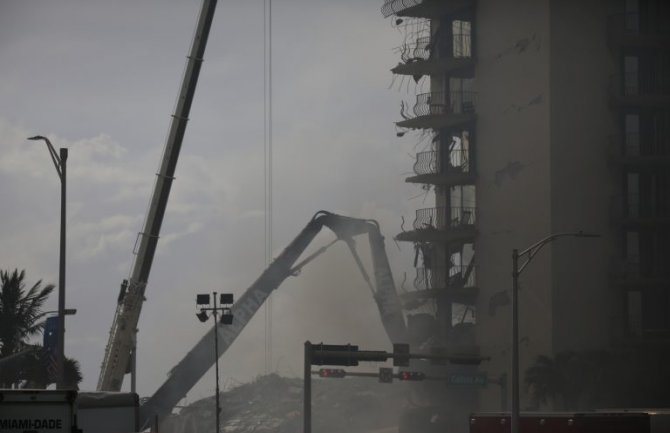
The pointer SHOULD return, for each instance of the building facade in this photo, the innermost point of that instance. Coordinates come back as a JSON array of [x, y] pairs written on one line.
[[536, 117]]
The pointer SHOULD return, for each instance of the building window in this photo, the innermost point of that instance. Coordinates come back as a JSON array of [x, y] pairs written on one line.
[[632, 15], [630, 71], [462, 39], [632, 135], [634, 305], [633, 195]]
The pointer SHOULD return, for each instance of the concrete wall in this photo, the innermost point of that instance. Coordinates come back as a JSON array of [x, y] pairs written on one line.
[[514, 178], [585, 308]]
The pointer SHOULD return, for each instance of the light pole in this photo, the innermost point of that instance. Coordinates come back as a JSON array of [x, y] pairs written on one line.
[[60, 162], [226, 319], [528, 254]]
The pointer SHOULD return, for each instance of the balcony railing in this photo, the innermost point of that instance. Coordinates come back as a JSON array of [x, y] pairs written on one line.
[[440, 103], [426, 49], [631, 207], [631, 270], [423, 8], [442, 277], [635, 83], [629, 24], [635, 145], [419, 50], [443, 218], [429, 162], [391, 7]]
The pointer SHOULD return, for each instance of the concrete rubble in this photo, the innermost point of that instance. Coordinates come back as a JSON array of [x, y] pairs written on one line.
[[273, 404]]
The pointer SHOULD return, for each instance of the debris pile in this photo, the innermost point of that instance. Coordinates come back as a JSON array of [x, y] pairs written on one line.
[[273, 404]]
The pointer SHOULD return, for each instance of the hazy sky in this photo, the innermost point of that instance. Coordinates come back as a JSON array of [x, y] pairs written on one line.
[[101, 77]]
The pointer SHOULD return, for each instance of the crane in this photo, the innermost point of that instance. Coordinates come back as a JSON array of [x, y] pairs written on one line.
[[198, 360], [121, 343]]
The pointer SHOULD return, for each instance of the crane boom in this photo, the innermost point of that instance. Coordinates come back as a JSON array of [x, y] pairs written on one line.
[[126, 317], [197, 361]]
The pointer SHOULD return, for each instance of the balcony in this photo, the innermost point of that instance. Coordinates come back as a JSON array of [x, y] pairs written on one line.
[[424, 8], [426, 58], [638, 153], [430, 169], [636, 90], [441, 225], [456, 283], [631, 273], [624, 30], [441, 110], [630, 211]]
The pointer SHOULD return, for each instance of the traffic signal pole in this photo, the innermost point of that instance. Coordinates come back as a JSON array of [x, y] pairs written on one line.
[[307, 393], [349, 355]]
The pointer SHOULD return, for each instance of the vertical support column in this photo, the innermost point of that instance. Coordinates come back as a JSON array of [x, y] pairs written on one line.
[[514, 424], [216, 363], [307, 393], [60, 356]]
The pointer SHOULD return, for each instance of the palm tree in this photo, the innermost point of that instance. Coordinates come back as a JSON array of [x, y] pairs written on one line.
[[35, 371], [20, 320], [20, 314], [569, 380]]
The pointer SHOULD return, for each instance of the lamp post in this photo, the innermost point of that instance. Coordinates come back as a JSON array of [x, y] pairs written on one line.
[[60, 162], [517, 269], [226, 319]]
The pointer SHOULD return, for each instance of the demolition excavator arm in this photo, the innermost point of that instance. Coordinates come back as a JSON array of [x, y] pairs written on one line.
[[198, 360]]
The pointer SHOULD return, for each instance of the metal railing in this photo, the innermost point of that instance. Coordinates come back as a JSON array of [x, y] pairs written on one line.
[[391, 7], [632, 268], [437, 103], [429, 162], [629, 23], [419, 50], [443, 218], [635, 83], [442, 277], [426, 48], [634, 144], [630, 206]]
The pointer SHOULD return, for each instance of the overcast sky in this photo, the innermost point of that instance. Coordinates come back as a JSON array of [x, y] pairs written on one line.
[[101, 77]]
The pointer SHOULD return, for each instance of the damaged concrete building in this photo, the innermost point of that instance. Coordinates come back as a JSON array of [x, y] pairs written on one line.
[[535, 118]]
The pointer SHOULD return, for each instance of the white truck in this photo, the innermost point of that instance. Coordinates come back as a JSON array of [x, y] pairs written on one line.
[[53, 411], [107, 412], [38, 411]]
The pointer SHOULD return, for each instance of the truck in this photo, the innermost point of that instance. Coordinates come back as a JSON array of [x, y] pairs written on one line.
[[108, 412], [68, 411], [598, 421], [38, 411]]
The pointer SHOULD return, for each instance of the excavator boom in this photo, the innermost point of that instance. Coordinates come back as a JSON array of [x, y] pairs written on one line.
[[197, 361]]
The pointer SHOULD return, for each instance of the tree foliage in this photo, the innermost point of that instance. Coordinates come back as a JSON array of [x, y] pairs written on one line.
[[622, 377], [21, 319]]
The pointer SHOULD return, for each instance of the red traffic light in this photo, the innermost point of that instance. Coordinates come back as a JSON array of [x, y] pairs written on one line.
[[332, 372], [411, 375]]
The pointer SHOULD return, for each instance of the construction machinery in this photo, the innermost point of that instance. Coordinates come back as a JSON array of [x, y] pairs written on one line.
[[121, 343], [197, 361]]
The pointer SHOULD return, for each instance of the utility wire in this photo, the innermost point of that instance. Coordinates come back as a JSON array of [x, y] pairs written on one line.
[[267, 128]]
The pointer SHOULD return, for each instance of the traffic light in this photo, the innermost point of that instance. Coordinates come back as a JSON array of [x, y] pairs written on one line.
[[411, 375], [385, 375], [334, 354], [337, 373]]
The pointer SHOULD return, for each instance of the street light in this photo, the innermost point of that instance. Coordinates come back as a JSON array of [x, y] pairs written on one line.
[[60, 162], [226, 319], [528, 254]]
